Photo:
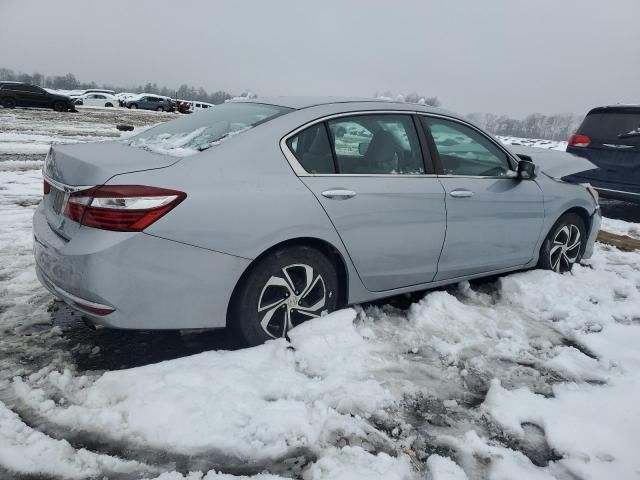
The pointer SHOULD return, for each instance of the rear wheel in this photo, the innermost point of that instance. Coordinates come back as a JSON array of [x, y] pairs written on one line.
[[160, 109], [563, 247], [286, 288], [8, 102], [59, 106]]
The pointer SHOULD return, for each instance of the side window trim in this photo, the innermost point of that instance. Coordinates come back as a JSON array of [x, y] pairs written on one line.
[[513, 163], [425, 147], [332, 147], [299, 170]]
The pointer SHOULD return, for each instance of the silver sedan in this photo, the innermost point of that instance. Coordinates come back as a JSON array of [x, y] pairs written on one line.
[[263, 214]]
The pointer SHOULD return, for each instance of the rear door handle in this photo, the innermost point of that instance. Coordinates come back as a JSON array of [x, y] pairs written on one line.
[[339, 194], [461, 193]]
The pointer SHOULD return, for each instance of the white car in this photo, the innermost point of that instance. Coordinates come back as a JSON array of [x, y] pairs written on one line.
[[97, 100]]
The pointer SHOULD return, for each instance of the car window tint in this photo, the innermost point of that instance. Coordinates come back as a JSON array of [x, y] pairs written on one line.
[[614, 127], [312, 149], [463, 151], [376, 144]]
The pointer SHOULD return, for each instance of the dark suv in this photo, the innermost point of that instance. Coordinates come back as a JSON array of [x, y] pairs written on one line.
[[149, 102], [610, 138], [18, 94]]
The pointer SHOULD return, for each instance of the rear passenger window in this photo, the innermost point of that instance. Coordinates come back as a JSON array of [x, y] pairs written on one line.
[[376, 144], [312, 149]]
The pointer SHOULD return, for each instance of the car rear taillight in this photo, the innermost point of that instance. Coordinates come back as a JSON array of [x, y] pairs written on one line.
[[122, 208], [576, 140], [46, 187]]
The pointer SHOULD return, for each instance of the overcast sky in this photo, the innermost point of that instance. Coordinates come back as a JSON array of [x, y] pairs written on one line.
[[501, 56]]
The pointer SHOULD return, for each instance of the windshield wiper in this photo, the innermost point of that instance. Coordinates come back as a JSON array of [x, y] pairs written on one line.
[[635, 133], [205, 146]]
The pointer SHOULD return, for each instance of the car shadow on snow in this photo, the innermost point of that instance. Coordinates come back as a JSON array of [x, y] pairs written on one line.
[[110, 349]]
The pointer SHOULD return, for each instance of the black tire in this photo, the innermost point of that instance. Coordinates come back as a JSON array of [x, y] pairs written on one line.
[[266, 291], [108, 104], [133, 105], [160, 109], [9, 102], [60, 107], [564, 245]]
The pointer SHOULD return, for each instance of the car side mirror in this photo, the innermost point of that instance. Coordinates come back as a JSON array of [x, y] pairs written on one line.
[[527, 170], [362, 148]]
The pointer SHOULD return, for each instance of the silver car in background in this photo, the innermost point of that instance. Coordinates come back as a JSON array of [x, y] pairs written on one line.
[[262, 214]]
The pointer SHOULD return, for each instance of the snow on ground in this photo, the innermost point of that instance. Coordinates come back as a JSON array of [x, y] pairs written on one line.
[[534, 142], [532, 375], [620, 227], [31, 131]]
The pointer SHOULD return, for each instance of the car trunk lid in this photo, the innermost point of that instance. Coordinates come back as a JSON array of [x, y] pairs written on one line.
[[70, 168]]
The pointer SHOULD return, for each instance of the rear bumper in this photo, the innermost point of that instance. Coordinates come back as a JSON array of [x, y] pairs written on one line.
[[149, 282]]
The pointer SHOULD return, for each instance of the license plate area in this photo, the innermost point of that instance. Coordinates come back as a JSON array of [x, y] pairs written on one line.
[[56, 200]]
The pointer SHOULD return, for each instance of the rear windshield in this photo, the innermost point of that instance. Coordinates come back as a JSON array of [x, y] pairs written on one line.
[[620, 128], [196, 132]]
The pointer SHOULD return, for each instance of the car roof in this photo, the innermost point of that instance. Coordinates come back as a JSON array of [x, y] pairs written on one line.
[[298, 103], [618, 108]]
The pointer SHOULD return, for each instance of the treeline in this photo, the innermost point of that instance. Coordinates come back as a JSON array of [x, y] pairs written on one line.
[[535, 125], [70, 82]]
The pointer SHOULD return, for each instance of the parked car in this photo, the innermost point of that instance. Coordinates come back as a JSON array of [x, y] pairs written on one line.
[[19, 94], [197, 106], [80, 93], [97, 100], [610, 138], [270, 223], [149, 102]]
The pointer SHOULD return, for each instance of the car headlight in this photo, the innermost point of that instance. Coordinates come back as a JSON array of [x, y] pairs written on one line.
[[593, 192]]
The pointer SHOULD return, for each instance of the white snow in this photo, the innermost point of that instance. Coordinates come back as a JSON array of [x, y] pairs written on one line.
[[534, 142], [26, 450], [621, 227], [443, 468], [291, 399]]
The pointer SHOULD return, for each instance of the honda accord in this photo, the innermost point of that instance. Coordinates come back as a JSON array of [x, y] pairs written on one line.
[[262, 214]]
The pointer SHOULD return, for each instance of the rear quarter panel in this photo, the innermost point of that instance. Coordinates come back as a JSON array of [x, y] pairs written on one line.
[[242, 199]]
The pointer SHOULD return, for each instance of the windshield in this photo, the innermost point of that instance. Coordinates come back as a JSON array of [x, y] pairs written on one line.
[[197, 132]]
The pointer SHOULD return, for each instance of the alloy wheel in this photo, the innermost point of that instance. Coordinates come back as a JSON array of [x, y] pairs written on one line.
[[289, 298], [565, 249]]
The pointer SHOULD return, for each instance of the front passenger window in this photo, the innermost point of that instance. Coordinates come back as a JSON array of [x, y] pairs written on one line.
[[463, 151]]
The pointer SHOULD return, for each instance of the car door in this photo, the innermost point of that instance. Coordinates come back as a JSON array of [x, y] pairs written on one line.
[[368, 173], [25, 96], [494, 219]]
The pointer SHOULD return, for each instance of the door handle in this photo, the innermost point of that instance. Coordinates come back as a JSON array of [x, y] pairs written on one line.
[[461, 193], [339, 194]]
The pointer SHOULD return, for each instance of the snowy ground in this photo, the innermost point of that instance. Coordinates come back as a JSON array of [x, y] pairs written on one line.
[[528, 376]]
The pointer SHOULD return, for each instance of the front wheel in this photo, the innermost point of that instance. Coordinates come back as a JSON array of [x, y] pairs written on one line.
[[160, 109], [564, 245], [284, 289], [133, 106], [60, 107], [108, 104]]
